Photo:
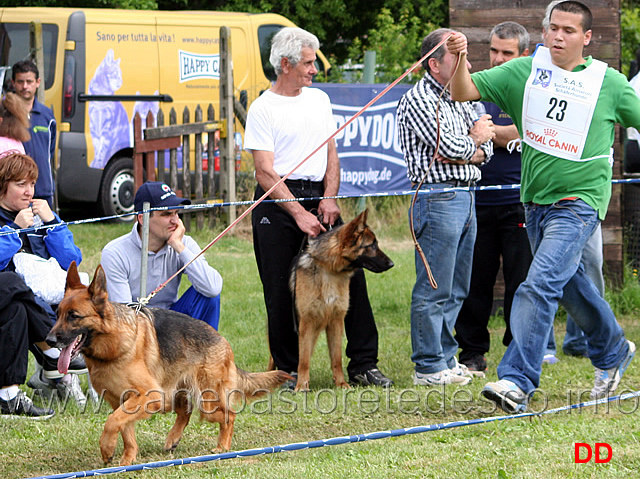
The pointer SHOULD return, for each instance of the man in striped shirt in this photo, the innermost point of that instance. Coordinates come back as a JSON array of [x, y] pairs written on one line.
[[444, 219]]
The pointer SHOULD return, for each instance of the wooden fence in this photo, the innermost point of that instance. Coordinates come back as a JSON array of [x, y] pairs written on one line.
[[152, 143], [195, 179]]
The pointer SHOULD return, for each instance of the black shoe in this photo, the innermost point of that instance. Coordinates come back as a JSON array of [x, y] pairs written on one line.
[[50, 367], [290, 384], [477, 365], [577, 354], [21, 407], [371, 377]]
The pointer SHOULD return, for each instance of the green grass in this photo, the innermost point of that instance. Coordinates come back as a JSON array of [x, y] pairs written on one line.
[[516, 448]]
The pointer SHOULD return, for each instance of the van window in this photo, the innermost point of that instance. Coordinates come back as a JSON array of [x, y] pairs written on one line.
[[14, 46], [265, 34]]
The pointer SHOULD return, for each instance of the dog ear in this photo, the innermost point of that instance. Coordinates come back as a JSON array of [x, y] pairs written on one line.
[[73, 278], [98, 287], [361, 221], [355, 227]]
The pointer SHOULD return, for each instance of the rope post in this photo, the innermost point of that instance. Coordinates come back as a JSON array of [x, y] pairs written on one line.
[[369, 66], [145, 249], [227, 136]]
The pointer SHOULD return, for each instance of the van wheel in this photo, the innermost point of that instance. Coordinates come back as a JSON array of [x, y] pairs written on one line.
[[117, 189]]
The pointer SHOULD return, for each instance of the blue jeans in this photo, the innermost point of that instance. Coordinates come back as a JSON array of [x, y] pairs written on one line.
[[575, 342], [445, 225], [199, 306], [558, 234]]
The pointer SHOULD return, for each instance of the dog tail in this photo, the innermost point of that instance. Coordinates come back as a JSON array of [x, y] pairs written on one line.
[[255, 385]]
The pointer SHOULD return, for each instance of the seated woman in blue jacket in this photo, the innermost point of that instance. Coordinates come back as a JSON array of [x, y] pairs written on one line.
[[23, 330]]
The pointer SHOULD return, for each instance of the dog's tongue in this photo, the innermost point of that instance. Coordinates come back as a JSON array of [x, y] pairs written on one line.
[[65, 359]]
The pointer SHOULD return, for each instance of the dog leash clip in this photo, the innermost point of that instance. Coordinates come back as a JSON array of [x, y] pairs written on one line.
[[138, 305], [321, 218]]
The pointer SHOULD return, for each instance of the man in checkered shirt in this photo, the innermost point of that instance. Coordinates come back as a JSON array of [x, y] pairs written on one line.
[[444, 218]]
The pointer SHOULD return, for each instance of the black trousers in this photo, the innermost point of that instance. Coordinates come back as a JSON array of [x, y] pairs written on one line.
[[277, 241], [501, 234], [23, 321]]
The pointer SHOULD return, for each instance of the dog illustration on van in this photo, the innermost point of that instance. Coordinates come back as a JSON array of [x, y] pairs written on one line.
[[108, 121]]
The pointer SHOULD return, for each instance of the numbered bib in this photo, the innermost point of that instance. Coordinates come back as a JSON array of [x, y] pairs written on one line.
[[559, 105]]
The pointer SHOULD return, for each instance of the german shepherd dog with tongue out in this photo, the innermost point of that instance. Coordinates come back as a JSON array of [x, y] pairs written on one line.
[[149, 361]]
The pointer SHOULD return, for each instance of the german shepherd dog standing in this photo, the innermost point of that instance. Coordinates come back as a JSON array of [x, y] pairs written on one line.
[[319, 282], [150, 361]]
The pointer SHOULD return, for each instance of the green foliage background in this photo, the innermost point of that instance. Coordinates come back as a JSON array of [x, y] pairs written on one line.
[[390, 26], [630, 33], [346, 28]]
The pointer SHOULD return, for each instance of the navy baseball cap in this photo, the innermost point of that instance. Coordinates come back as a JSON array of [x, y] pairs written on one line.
[[158, 195]]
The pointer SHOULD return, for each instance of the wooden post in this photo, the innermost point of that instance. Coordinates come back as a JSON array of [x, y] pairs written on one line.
[[227, 138], [36, 54], [211, 173], [150, 156], [145, 250], [186, 168], [137, 155], [162, 154], [198, 173], [173, 155]]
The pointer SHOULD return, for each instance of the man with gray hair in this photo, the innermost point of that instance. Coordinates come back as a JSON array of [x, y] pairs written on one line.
[[284, 125], [500, 220]]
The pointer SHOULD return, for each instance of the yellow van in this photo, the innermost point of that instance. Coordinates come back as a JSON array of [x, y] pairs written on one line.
[[101, 66]]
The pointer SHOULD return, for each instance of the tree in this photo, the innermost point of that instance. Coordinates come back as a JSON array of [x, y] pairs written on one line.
[[337, 23], [396, 42], [630, 34]]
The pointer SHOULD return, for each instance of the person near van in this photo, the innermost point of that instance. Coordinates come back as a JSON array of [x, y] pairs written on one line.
[[169, 250], [25, 79], [566, 188], [284, 125], [14, 123], [25, 322]]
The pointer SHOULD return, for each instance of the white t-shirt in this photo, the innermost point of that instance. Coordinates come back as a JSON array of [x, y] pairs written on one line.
[[292, 127]]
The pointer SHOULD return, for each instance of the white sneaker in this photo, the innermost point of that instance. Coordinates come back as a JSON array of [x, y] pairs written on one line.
[[41, 386], [439, 378], [69, 387], [66, 387], [607, 380], [506, 395], [460, 373]]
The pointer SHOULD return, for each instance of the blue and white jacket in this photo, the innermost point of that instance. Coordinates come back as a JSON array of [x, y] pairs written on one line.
[[56, 242]]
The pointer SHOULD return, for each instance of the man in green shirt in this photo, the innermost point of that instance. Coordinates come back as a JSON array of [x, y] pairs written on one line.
[[565, 107]]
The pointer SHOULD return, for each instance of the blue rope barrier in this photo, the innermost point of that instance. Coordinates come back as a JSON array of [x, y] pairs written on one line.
[[195, 208], [335, 441]]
